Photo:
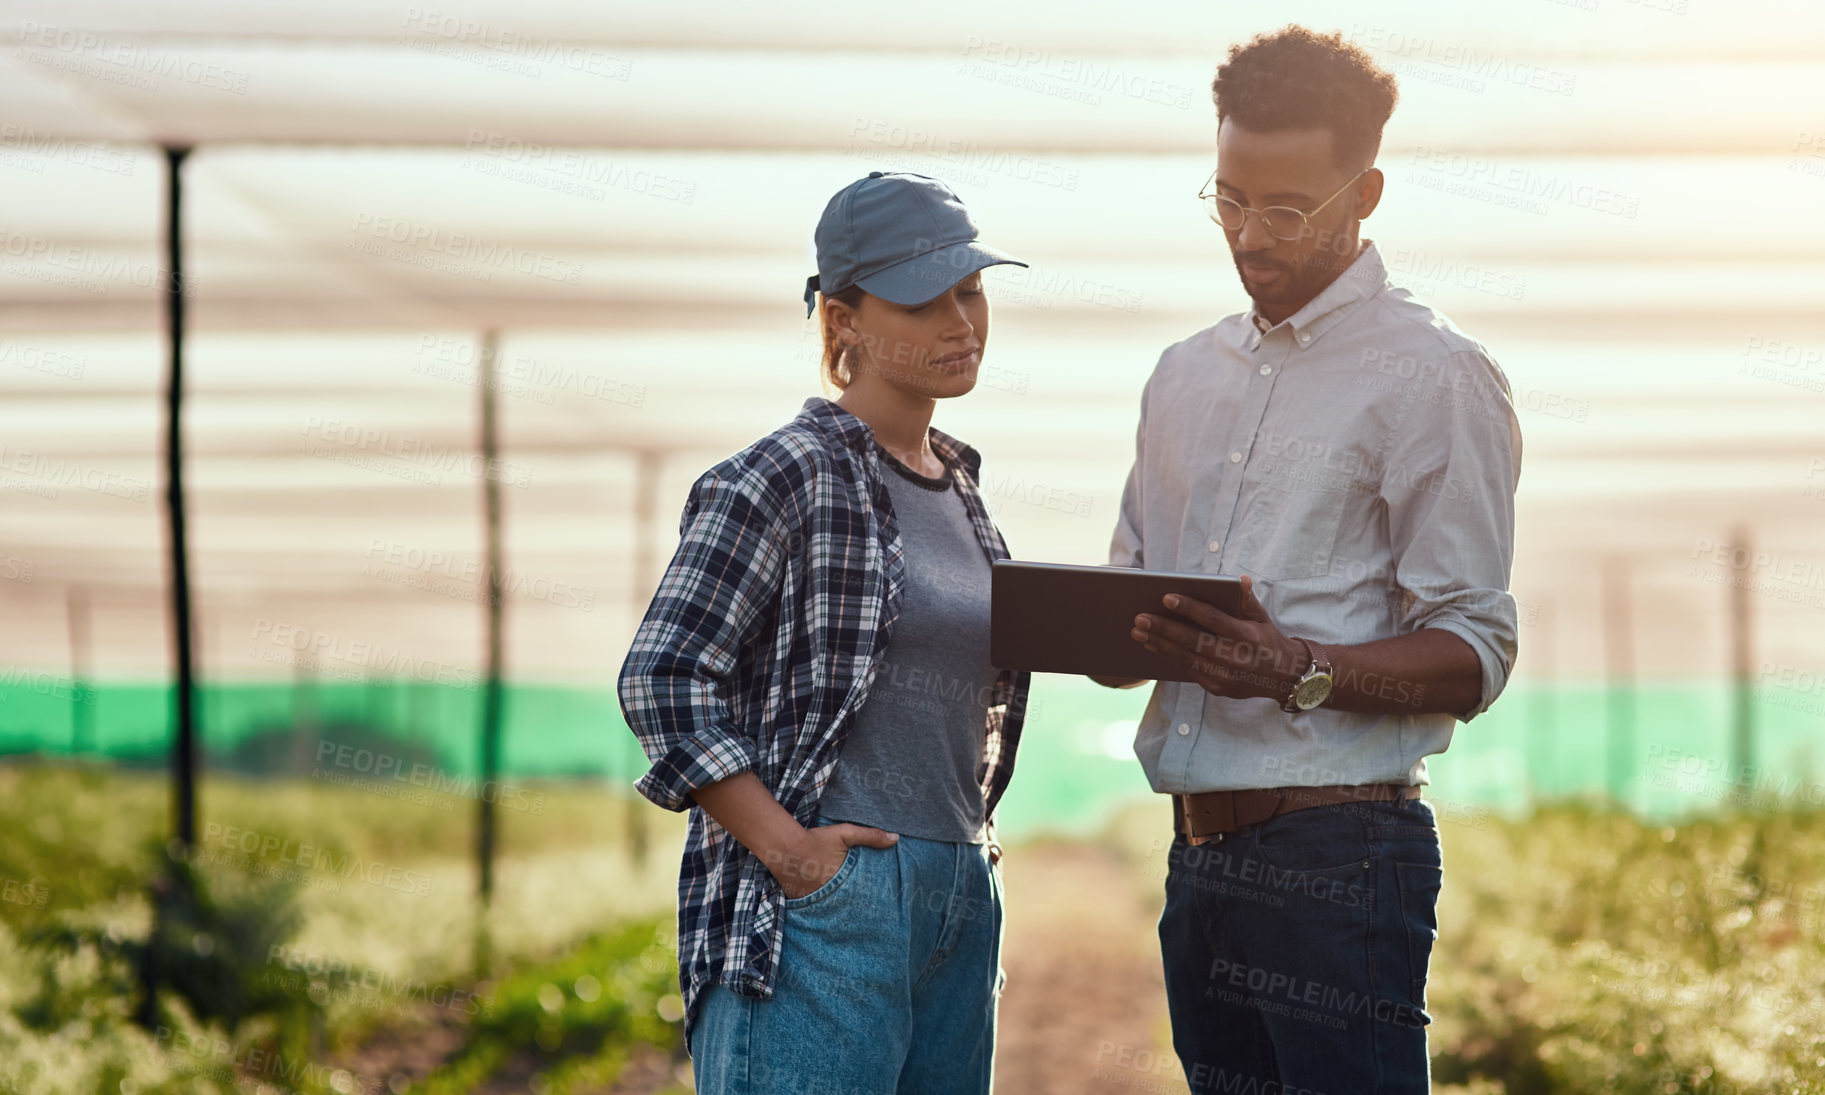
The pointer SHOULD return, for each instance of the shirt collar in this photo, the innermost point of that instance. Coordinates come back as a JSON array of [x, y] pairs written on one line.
[[1359, 281], [846, 429]]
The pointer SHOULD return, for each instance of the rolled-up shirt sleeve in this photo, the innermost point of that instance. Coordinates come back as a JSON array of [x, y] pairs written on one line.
[[1449, 481], [720, 586]]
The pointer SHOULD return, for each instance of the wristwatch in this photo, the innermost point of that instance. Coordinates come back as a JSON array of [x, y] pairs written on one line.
[[1314, 688]]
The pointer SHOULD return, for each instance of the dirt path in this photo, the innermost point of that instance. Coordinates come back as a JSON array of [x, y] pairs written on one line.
[[1084, 1009]]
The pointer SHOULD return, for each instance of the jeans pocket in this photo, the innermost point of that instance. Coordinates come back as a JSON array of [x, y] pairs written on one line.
[[831, 885], [1318, 840], [1419, 886]]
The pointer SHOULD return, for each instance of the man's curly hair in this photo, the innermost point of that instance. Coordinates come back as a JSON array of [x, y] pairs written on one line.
[[1297, 79]]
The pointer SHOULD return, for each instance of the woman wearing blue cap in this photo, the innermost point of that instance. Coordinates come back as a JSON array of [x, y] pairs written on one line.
[[812, 682]]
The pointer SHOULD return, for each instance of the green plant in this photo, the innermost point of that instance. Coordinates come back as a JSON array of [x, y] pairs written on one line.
[[1584, 950], [573, 1020]]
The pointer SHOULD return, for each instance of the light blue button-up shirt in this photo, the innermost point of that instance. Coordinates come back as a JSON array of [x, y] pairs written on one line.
[[1359, 459]]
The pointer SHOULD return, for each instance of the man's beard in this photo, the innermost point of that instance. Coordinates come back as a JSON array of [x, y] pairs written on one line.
[[1295, 283], [1303, 282]]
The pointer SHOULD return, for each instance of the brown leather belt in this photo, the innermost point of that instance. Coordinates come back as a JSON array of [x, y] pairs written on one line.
[[1212, 813]]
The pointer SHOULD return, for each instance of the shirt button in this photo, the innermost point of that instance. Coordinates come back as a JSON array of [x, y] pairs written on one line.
[[1305, 337], [1235, 458], [1184, 729], [1267, 370], [1214, 545]]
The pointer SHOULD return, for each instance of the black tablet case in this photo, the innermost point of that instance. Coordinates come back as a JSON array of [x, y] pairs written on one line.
[[1063, 618]]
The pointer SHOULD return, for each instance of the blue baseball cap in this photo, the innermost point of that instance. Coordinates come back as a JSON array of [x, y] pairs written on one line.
[[905, 238]]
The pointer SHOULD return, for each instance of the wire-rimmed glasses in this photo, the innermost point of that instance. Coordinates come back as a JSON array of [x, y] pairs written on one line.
[[1282, 222]]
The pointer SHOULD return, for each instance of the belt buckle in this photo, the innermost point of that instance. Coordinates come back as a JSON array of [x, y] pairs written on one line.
[[1182, 821]]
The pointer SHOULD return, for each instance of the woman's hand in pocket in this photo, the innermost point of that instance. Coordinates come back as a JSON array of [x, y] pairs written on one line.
[[819, 854]]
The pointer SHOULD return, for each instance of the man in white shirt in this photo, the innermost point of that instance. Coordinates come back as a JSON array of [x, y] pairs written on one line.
[[1353, 456]]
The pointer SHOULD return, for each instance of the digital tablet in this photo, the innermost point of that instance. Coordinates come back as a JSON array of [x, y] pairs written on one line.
[[1062, 618]]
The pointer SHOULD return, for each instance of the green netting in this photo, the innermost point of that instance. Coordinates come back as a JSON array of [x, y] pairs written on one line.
[[1075, 760]]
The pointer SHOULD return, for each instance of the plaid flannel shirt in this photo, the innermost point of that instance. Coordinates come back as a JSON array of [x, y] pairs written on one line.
[[759, 648]]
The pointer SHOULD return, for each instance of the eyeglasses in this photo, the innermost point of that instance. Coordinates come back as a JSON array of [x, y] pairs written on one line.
[[1282, 222]]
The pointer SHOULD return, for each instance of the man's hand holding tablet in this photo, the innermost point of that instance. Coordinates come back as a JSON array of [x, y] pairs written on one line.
[[1239, 654], [1114, 625]]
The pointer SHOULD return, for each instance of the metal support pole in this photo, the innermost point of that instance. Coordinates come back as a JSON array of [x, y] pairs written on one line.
[[1620, 648], [491, 694]]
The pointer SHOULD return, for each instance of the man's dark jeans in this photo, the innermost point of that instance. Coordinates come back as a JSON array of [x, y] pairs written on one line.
[[1296, 951]]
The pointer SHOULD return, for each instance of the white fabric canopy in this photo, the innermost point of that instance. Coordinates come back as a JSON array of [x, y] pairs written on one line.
[[626, 192]]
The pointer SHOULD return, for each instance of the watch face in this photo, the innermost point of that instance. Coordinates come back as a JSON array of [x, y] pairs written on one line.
[[1312, 691]]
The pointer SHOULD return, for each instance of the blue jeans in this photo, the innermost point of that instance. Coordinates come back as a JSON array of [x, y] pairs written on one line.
[[886, 984], [1296, 951]]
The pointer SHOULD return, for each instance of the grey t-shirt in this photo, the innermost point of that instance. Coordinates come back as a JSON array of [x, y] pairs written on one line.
[[912, 760]]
